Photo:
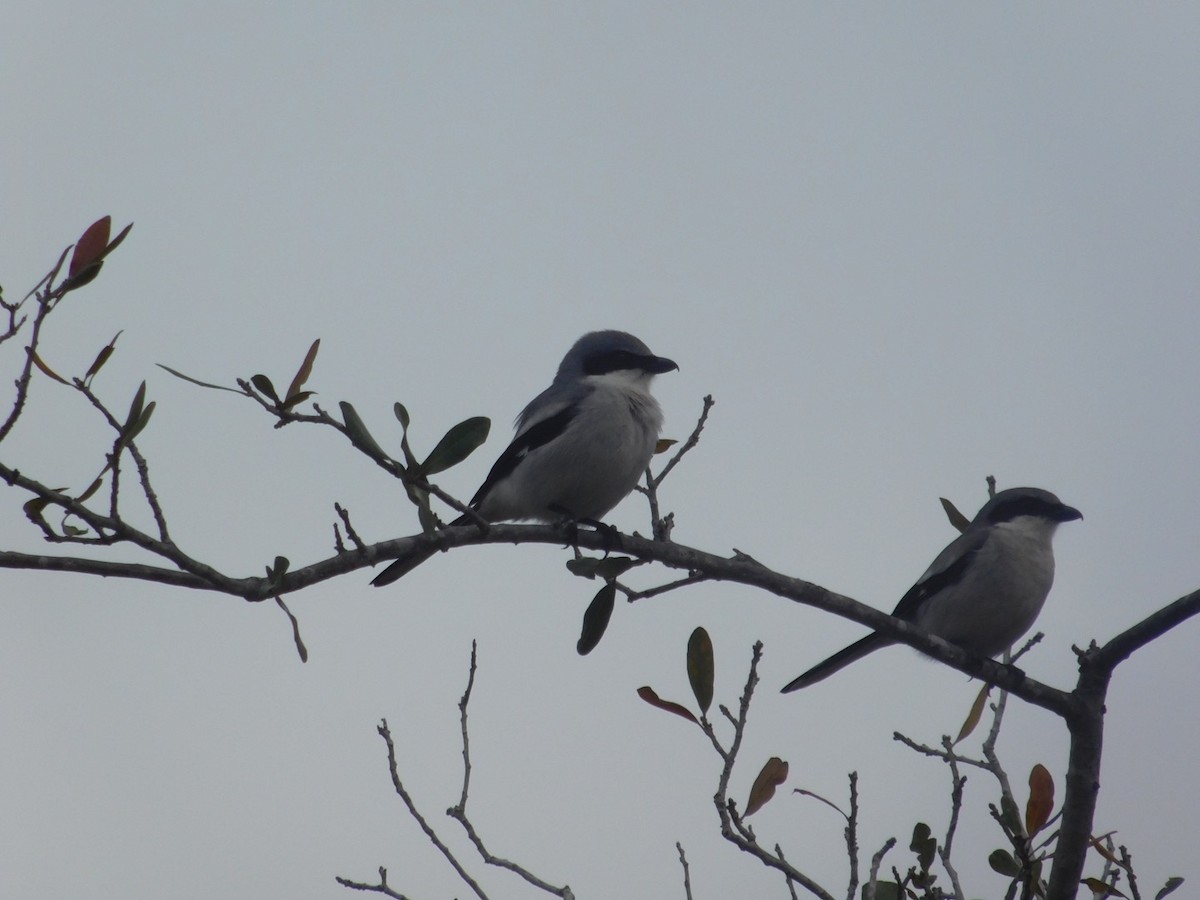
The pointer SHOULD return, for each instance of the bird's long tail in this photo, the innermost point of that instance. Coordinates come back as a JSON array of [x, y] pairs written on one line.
[[838, 661], [402, 567]]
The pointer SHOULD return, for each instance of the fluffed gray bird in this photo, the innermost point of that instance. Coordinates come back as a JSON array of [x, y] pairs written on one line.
[[580, 445], [983, 591]]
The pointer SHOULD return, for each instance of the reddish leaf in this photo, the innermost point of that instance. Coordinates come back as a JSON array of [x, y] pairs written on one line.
[[829, 803], [304, 371], [647, 694], [773, 774], [1041, 799], [102, 357], [91, 246]]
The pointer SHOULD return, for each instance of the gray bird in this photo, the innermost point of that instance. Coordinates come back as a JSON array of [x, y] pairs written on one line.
[[580, 445], [983, 591]]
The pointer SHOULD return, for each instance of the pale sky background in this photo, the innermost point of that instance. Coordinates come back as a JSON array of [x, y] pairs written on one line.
[[904, 246]]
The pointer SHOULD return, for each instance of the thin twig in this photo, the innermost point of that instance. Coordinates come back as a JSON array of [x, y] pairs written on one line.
[[406, 798], [687, 879]]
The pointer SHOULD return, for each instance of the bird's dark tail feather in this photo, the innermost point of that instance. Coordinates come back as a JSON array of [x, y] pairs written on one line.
[[838, 661], [402, 567]]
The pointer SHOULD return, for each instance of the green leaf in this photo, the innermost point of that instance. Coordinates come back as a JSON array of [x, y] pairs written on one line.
[[457, 444], [276, 571], [304, 371], [401, 414], [263, 383], [647, 693], [140, 424], [1172, 883], [425, 516], [357, 431], [773, 773], [701, 668], [203, 384], [1002, 861], [92, 488], [924, 844], [608, 568], [1010, 817], [595, 619], [135, 408]]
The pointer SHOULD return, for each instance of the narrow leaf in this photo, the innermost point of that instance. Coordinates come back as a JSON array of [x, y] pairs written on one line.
[[647, 694], [203, 384], [457, 444], [296, 399], [304, 371], [701, 668], [829, 803], [957, 519], [92, 488], [1100, 889], [402, 415], [116, 242], [300, 648], [772, 774], [1172, 883], [263, 383], [1041, 799], [34, 508], [1002, 861], [37, 361], [1104, 851], [135, 407], [102, 357], [90, 246], [1010, 817], [595, 619], [975, 714], [357, 431], [663, 445]]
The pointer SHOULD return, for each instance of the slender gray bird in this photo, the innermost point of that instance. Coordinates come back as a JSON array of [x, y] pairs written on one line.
[[985, 589], [580, 445]]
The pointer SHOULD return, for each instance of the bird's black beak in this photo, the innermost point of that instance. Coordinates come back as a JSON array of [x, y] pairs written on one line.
[[1068, 514], [656, 365]]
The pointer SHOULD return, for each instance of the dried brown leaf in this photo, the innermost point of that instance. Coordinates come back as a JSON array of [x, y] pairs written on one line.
[[773, 773], [1041, 799]]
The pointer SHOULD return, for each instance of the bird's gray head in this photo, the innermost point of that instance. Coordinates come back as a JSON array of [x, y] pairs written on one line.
[[605, 352], [1016, 503]]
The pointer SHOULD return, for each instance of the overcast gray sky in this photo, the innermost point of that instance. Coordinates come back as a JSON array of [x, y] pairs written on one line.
[[904, 246]]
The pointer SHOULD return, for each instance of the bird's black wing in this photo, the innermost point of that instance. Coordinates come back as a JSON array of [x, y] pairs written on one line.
[[537, 435], [946, 570]]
